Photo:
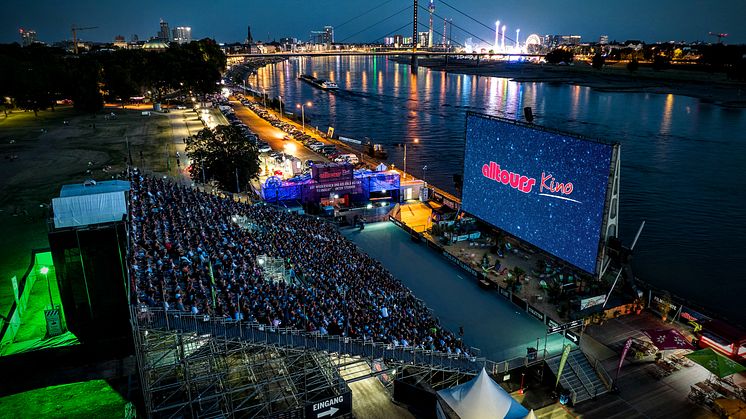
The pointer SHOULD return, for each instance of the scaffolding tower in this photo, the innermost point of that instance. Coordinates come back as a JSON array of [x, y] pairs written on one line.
[[188, 375]]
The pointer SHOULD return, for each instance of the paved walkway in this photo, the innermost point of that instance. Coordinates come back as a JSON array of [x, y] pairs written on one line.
[[640, 394], [491, 323]]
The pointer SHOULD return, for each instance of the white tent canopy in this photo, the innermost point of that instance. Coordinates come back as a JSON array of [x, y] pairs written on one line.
[[76, 211], [481, 398]]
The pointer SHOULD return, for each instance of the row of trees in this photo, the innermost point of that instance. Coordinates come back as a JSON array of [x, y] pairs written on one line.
[[35, 77], [730, 59]]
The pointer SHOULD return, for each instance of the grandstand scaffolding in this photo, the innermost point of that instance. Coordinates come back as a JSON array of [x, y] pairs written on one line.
[[191, 374]]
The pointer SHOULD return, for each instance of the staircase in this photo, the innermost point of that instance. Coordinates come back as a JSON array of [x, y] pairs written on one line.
[[579, 375]]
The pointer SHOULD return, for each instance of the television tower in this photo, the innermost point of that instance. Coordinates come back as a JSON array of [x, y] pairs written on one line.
[[431, 9], [517, 35]]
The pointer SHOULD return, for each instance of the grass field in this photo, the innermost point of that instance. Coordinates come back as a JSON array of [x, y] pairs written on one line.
[[88, 399], [40, 154]]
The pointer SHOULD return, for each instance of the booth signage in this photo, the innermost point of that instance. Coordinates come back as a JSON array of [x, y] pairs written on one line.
[[460, 263], [592, 301], [331, 407], [536, 313], [689, 315], [395, 221], [331, 172], [438, 197], [551, 323], [565, 326], [658, 302], [342, 186], [504, 292]]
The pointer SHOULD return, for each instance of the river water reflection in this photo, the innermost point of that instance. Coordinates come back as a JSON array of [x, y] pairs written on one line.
[[682, 159]]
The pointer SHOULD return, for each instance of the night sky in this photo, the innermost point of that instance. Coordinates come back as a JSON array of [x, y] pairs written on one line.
[[226, 20]]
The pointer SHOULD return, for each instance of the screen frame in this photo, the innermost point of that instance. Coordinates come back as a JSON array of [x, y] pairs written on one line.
[[613, 163]]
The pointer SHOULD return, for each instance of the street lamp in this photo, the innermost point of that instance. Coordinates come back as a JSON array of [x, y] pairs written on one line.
[[264, 97], [280, 107], [44, 271], [302, 107]]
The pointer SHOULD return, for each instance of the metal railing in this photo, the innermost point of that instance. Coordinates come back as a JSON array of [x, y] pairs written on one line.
[[155, 317], [580, 373], [602, 374]]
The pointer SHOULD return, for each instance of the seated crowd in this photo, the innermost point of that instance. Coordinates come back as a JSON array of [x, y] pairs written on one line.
[[188, 255]]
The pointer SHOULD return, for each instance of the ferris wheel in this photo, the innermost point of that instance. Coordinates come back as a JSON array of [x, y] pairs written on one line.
[[533, 39]]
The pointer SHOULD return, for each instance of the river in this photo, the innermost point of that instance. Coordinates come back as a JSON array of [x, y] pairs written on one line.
[[682, 159]]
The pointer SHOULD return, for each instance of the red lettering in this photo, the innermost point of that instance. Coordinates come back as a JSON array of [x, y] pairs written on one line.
[[568, 189], [505, 177], [513, 179], [530, 184], [544, 179]]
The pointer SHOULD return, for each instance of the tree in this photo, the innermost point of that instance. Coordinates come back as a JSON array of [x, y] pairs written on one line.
[[559, 55], [224, 155], [85, 91], [633, 65], [598, 61]]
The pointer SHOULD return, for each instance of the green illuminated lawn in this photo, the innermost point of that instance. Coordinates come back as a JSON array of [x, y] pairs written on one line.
[[90, 399]]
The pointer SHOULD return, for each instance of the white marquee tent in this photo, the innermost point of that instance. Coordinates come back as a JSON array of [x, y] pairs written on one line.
[[480, 398]]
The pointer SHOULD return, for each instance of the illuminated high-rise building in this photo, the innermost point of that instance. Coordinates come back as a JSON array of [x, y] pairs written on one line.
[[28, 37], [164, 34], [328, 35], [182, 34]]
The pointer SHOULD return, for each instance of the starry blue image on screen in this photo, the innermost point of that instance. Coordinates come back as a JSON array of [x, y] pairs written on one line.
[[502, 158]]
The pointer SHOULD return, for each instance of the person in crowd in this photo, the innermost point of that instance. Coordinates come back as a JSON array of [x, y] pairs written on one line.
[[188, 255]]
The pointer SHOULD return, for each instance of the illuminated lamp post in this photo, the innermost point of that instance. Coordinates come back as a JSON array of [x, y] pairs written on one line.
[[264, 98], [504, 27], [497, 36], [280, 107], [44, 271], [303, 112]]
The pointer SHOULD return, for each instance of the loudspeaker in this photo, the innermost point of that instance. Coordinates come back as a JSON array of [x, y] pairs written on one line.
[[529, 114]]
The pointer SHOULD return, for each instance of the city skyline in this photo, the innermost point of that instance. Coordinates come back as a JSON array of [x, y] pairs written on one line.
[[658, 22]]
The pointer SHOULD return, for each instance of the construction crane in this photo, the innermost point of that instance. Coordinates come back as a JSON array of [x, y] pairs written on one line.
[[75, 30], [720, 36]]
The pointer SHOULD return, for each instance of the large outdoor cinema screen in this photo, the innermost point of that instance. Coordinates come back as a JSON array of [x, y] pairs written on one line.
[[543, 187]]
